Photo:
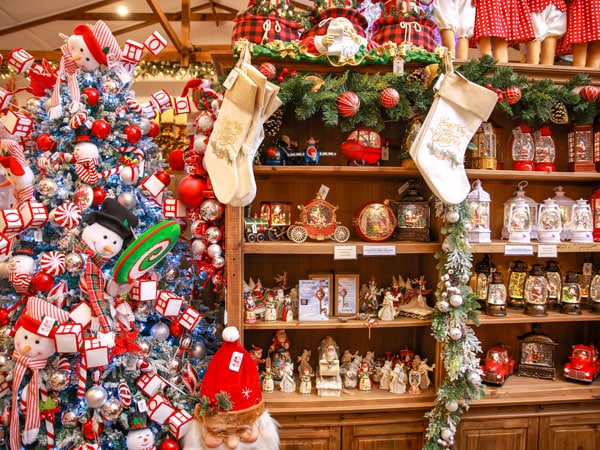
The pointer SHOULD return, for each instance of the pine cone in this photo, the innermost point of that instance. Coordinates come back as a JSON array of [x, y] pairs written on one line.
[[273, 123], [559, 113], [419, 75]]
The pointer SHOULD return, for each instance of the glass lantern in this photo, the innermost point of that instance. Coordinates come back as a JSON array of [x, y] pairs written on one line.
[[554, 283], [479, 202], [516, 284], [519, 222], [585, 279], [537, 354], [581, 151], [413, 215], [484, 144], [483, 276], [566, 211], [545, 150], [595, 293], [595, 206], [523, 148], [536, 291], [570, 302], [533, 209], [581, 222], [496, 299], [549, 222]]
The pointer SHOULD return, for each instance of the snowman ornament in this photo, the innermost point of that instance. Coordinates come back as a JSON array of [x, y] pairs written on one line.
[[139, 436], [21, 267], [33, 344]]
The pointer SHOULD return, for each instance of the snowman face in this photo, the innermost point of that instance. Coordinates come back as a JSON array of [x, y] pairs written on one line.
[[21, 264], [139, 439], [33, 345], [85, 151], [101, 240], [80, 54]]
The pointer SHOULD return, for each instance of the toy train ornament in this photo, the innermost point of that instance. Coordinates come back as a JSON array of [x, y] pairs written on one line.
[[271, 223]]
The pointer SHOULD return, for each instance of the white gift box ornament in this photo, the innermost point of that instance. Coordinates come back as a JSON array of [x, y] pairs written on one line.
[[173, 207], [18, 124], [182, 105], [96, 353], [33, 214], [168, 304], [133, 51], [68, 338], [151, 384], [155, 43], [81, 314], [4, 245], [159, 408], [162, 100], [180, 423], [144, 290], [148, 110], [10, 221], [153, 185], [190, 318], [20, 60], [5, 98]]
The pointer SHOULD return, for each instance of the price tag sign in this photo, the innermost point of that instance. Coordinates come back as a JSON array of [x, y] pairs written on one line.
[[344, 252], [547, 251], [379, 250], [518, 250]]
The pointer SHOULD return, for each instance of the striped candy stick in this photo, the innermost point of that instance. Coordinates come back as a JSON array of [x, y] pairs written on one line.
[[82, 376], [50, 434]]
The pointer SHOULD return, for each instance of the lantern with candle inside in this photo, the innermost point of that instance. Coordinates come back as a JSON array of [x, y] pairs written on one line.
[[570, 301], [519, 221], [565, 205], [496, 300], [554, 283], [533, 209], [580, 143], [581, 222], [537, 354], [479, 202], [485, 146], [483, 277], [522, 149], [549, 222], [516, 284], [545, 150], [413, 214], [536, 291]]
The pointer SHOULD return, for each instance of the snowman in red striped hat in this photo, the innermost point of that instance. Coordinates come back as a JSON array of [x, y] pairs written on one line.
[[34, 344]]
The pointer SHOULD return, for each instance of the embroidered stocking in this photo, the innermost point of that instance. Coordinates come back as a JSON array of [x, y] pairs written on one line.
[[438, 150]]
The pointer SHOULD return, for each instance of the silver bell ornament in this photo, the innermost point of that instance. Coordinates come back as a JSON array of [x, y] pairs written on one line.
[[96, 396], [112, 409], [160, 331], [59, 380]]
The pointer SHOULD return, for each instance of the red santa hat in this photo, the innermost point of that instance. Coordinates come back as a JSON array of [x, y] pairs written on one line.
[[230, 395], [41, 317], [100, 41]]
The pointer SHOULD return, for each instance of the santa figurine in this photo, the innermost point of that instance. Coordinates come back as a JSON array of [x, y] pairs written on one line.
[[140, 435], [34, 343], [108, 231], [231, 413]]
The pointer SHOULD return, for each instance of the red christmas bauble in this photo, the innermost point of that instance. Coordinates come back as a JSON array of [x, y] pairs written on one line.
[[42, 281], [176, 161], [92, 95], [88, 432], [168, 444], [268, 70], [154, 129], [133, 134], [389, 98], [347, 104], [45, 142], [512, 94], [99, 195], [101, 128], [589, 93], [4, 317], [176, 329], [190, 190], [164, 177]]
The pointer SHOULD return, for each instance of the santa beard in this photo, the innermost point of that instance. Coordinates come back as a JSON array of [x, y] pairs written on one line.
[[268, 436]]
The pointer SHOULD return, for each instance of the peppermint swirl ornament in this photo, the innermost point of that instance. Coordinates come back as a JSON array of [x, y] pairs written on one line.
[[133, 105], [53, 263], [68, 215]]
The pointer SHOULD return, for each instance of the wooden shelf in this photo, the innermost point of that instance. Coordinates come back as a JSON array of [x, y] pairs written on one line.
[[553, 316], [328, 247], [335, 324], [498, 246]]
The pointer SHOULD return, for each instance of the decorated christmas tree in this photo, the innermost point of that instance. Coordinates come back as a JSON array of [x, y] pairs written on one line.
[[109, 305]]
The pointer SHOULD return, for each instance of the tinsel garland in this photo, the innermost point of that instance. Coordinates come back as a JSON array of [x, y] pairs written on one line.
[[456, 306]]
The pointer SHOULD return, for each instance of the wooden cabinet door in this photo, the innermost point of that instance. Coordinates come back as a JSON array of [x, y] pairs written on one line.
[[309, 438], [384, 436], [577, 431], [498, 434]]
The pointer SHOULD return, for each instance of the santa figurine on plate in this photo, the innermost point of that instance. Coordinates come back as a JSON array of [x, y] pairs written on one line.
[[231, 413]]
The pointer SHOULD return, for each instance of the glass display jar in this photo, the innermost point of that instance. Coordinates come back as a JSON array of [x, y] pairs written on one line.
[[536, 291]]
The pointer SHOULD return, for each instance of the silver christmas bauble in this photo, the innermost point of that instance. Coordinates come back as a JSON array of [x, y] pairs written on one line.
[[455, 333], [96, 396], [47, 187], [447, 434], [456, 300], [443, 306], [160, 331], [175, 379], [73, 262], [69, 419], [59, 380], [452, 216], [143, 308], [451, 405], [198, 350], [127, 199], [218, 261], [198, 247], [110, 87], [474, 378], [4, 358], [174, 365], [211, 210], [144, 125], [146, 347], [112, 409], [214, 250], [5, 332], [213, 234]]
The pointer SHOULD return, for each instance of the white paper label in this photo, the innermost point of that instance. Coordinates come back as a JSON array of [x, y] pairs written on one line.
[[323, 191], [398, 66], [236, 361], [547, 251], [344, 252], [379, 250], [518, 249]]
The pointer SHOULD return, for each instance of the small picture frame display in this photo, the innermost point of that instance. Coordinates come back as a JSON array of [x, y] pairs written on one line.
[[346, 294], [314, 301]]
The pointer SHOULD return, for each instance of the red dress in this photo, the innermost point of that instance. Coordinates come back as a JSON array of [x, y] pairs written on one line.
[[506, 19], [541, 5], [583, 21]]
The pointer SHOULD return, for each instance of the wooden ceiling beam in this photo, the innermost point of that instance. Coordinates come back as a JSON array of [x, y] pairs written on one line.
[[185, 33], [164, 22]]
